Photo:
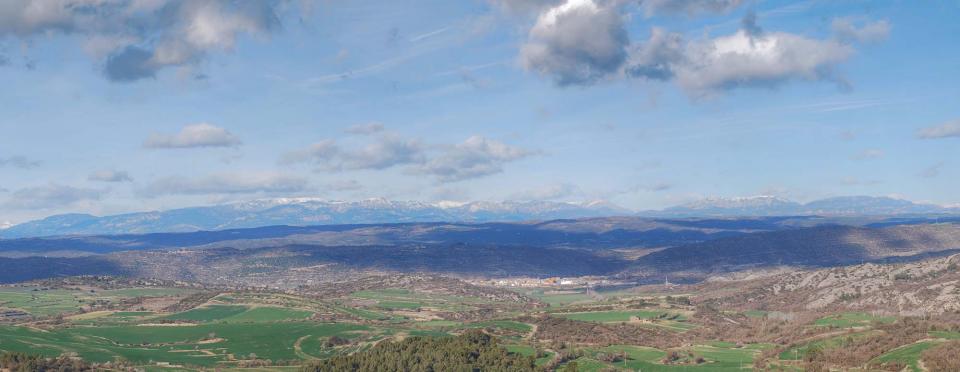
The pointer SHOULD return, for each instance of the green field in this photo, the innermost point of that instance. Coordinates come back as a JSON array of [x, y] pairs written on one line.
[[209, 313], [399, 305], [237, 326], [797, 352], [649, 359], [504, 324], [849, 320], [269, 314], [403, 299], [946, 334], [42, 302], [909, 354], [438, 323], [175, 344]]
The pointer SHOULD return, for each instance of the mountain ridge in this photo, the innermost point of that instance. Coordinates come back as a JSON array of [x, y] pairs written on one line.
[[765, 205], [303, 212], [315, 211]]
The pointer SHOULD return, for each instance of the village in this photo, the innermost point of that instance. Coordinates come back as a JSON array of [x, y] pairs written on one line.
[[560, 282]]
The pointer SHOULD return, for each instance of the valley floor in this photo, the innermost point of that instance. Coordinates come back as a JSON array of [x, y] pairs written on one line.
[[169, 326]]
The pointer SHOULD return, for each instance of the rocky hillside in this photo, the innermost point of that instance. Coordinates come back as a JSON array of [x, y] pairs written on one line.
[[916, 288]]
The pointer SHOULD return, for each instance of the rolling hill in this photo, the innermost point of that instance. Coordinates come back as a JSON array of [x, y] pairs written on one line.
[[642, 250], [810, 247]]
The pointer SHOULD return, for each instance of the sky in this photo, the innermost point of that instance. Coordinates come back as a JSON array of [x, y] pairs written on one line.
[[114, 106]]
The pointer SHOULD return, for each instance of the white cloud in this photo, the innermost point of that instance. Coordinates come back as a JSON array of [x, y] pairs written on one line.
[[365, 129], [141, 37], [658, 57], [757, 60], [523, 6], [227, 183], [549, 192], [321, 152], [582, 42], [660, 186], [854, 181], [749, 57], [688, 7], [387, 151], [846, 30], [345, 185], [51, 196], [110, 176], [475, 157], [869, 154], [945, 130], [194, 135], [932, 171], [577, 43]]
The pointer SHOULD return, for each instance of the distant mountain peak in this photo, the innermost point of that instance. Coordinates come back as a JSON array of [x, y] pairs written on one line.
[[766, 205], [762, 205], [756, 200]]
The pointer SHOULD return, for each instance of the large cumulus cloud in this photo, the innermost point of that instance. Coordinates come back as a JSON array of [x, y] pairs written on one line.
[[576, 43], [747, 59], [137, 38], [582, 42]]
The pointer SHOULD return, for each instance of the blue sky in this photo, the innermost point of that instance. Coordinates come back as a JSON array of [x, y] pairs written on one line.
[[112, 106]]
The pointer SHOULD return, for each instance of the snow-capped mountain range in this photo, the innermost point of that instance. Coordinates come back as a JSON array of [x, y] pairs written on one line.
[[776, 206], [311, 211], [306, 211]]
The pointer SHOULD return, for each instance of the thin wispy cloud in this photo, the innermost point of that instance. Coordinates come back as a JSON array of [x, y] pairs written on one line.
[[932, 171], [110, 176], [430, 34], [227, 183], [19, 161], [869, 154], [945, 130], [193, 136], [53, 195]]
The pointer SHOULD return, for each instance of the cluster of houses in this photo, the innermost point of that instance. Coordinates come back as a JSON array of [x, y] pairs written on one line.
[[547, 282]]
